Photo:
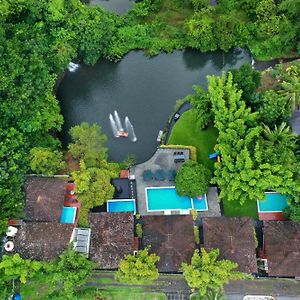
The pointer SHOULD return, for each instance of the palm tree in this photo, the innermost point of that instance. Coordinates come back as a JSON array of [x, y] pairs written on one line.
[[280, 134], [291, 91]]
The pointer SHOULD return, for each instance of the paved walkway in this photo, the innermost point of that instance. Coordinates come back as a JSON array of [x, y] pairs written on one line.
[[213, 202], [175, 287], [295, 121]]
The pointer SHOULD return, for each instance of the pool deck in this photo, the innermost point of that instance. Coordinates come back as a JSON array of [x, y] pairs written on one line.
[[163, 159]]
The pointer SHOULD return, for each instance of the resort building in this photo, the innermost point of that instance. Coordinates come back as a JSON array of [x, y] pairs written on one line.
[[282, 248], [235, 238], [112, 237], [43, 241], [48, 225], [171, 238]]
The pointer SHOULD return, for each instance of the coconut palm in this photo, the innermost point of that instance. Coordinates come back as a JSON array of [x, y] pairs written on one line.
[[291, 91], [280, 134]]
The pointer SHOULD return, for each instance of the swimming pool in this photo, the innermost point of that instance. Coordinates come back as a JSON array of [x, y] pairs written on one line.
[[68, 215], [121, 205], [274, 202], [167, 199]]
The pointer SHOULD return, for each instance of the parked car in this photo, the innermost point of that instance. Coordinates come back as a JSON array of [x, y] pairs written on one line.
[[176, 116], [258, 297]]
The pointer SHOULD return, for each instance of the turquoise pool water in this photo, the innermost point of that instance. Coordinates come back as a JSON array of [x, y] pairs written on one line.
[[159, 199], [68, 215], [121, 205], [274, 202]]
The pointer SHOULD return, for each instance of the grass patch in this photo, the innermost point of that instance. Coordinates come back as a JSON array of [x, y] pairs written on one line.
[[35, 288], [234, 209], [172, 13], [186, 133], [119, 293]]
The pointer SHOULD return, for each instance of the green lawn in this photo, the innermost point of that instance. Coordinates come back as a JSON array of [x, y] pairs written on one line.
[[233, 209], [119, 293], [185, 132]]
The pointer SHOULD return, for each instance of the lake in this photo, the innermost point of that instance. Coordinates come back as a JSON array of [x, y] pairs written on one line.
[[144, 89]]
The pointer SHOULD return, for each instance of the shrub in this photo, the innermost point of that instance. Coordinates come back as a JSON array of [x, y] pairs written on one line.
[[194, 214], [138, 269], [139, 230], [192, 179]]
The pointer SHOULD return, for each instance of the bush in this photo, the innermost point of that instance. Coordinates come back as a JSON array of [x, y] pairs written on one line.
[[46, 161], [194, 214], [138, 269], [139, 230], [192, 179]]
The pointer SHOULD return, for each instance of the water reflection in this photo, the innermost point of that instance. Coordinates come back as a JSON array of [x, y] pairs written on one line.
[[118, 6]]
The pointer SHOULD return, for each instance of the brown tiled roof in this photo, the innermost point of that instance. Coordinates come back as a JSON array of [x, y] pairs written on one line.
[[282, 248], [111, 238], [171, 238], [42, 241], [44, 198], [234, 237]]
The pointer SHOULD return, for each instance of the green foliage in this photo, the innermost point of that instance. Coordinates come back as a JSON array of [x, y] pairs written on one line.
[[273, 108], [194, 214], [254, 159], [139, 230], [247, 79], [15, 268], [207, 273], [38, 40], [201, 106], [192, 179], [293, 210], [88, 144], [138, 269], [71, 270], [196, 234], [93, 187], [46, 161], [129, 161]]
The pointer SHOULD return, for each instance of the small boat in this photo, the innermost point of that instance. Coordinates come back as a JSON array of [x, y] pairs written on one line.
[[122, 133]]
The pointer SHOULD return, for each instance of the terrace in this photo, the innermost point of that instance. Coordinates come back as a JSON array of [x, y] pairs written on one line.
[[163, 159], [159, 172]]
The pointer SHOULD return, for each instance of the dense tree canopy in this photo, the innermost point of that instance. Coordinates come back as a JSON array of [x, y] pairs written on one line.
[[252, 161], [139, 268], [93, 187], [87, 144], [38, 39], [13, 267], [207, 273], [46, 161], [71, 270], [192, 179]]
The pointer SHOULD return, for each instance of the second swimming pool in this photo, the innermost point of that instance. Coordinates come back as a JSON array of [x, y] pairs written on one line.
[[166, 199]]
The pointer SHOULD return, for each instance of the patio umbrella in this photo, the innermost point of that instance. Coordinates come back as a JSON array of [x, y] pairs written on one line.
[[171, 174], [160, 174], [147, 175]]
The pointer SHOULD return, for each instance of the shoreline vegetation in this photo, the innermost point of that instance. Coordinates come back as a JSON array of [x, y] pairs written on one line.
[[40, 39]]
